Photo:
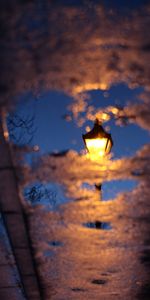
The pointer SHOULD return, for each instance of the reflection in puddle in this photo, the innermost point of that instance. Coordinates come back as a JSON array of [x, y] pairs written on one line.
[[55, 243], [50, 195], [98, 225], [80, 263], [112, 188], [78, 290], [99, 281], [48, 253], [90, 47]]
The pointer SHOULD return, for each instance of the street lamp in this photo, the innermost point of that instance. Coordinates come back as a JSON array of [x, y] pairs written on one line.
[[98, 143]]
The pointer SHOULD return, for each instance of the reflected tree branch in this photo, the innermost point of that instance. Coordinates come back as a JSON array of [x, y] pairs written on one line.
[[21, 129]]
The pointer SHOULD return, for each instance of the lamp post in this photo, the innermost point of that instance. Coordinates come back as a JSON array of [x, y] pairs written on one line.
[[98, 143]]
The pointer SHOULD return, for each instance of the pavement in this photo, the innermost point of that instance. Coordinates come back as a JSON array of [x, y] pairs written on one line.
[[15, 225], [10, 283]]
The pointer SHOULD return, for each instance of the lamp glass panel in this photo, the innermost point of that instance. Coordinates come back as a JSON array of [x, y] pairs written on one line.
[[109, 145], [96, 147]]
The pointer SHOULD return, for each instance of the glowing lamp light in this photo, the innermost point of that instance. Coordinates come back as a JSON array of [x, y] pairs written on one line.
[[97, 141]]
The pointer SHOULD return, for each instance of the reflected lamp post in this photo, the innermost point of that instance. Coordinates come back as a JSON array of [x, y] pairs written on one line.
[[98, 143]]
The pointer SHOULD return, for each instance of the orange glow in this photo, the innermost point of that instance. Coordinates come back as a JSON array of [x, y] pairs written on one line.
[[90, 86], [105, 117], [6, 135], [97, 147], [114, 110], [4, 125]]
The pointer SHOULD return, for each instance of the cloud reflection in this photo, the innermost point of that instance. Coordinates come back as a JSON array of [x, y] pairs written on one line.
[[42, 47], [72, 49], [91, 262], [76, 172]]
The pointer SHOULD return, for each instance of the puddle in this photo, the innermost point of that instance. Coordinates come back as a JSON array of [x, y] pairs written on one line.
[[48, 253], [101, 50], [105, 274], [78, 290], [111, 189], [87, 186], [99, 281], [98, 225], [50, 195], [55, 243]]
